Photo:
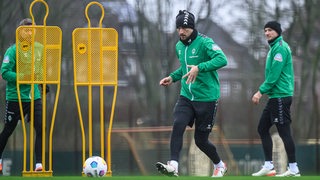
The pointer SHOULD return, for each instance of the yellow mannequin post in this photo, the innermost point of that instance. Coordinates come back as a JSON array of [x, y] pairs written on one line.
[[38, 71], [95, 56]]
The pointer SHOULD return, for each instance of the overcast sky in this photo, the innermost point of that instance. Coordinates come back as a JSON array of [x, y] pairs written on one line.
[[226, 13]]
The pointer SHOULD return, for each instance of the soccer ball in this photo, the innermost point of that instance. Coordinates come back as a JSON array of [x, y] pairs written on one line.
[[95, 166]]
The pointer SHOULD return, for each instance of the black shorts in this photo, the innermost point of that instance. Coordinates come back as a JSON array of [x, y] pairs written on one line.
[[202, 114], [277, 110], [13, 111]]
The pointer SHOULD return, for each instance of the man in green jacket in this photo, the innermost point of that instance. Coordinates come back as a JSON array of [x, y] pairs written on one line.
[[200, 58], [279, 86], [8, 73]]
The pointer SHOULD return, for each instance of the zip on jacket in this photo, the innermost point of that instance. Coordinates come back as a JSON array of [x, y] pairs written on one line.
[[209, 57]]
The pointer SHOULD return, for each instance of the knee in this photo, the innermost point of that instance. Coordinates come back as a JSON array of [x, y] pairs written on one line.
[[7, 131], [262, 131], [200, 142], [285, 136], [38, 128], [179, 125]]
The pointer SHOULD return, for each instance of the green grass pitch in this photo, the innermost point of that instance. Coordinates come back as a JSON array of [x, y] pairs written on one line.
[[155, 178]]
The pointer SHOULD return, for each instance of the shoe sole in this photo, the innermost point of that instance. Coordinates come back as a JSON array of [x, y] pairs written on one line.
[[38, 170], [269, 174], [290, 175], [160, 167], [224, 173]]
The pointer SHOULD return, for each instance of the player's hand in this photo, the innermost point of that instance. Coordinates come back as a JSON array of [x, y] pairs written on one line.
[[192, 74], [256, 97], [166, 81]]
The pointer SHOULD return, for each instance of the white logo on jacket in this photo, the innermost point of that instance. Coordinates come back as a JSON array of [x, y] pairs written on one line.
[[6, 59], [215, 47], [278, 57]]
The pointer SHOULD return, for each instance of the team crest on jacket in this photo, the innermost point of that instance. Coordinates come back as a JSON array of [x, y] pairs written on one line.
[[215, 47], [6, 59], [278, 57]]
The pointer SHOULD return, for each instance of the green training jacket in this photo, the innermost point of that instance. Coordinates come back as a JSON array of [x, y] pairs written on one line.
[[209, 57], [8, 72], [279, 74]]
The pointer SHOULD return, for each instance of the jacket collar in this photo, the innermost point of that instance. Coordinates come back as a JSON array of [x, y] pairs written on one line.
[[275, 40], [191, 38]]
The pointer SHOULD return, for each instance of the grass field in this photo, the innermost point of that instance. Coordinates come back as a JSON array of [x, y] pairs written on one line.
[[155, 178]]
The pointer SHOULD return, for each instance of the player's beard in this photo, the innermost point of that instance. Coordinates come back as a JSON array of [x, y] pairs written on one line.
[[183, 36]]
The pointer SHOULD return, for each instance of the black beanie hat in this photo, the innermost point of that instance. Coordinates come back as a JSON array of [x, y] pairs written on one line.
[[274, 25], [185, 19]]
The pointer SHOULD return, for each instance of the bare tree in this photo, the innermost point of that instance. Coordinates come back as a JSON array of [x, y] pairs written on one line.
[[299, 20], [303, 34]]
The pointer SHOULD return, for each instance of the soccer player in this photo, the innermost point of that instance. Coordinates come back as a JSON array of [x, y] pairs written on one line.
[[8, 72], [200, 58], [279, 86]]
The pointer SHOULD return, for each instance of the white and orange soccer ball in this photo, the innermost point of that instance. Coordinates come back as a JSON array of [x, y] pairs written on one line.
[[95, 166]]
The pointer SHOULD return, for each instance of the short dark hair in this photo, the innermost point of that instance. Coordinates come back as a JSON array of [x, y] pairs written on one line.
[[26, 21]]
